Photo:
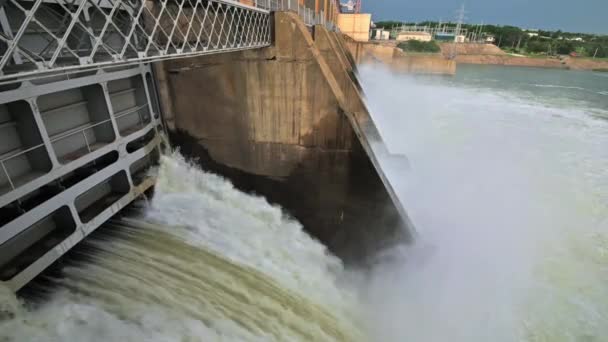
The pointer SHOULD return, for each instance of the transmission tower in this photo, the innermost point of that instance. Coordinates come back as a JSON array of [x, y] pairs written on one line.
[[460, 16]]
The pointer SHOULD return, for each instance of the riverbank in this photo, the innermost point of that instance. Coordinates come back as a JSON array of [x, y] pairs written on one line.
[[489, 54]]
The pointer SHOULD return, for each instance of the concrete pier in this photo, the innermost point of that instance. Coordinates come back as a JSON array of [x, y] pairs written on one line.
[[288, 122]]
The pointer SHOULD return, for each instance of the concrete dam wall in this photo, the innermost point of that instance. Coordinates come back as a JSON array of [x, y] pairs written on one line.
[[388, 54], [288, 122]]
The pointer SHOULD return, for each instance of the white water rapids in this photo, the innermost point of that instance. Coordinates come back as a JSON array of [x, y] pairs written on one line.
[[509, 194], [205, 263]]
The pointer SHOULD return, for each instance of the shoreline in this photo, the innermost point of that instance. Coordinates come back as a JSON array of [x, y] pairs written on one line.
[[568, 63], [488, 54], [388, 53]]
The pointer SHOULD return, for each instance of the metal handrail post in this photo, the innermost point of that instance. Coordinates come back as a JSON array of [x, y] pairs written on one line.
[[8, 177], [84, 134]]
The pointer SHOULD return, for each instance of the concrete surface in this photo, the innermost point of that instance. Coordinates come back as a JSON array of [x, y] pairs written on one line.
[[288, 122]]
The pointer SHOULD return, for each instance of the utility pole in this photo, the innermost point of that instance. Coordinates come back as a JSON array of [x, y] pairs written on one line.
[[460, 14], [595, 54], [518, 43]]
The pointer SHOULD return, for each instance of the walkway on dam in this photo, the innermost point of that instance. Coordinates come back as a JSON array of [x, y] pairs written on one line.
[[50, 36]]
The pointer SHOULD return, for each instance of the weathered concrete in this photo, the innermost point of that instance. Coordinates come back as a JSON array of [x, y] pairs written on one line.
[[288, 122], [397, 60]]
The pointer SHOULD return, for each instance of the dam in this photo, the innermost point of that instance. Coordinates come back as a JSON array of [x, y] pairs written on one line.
[[264, 93], [226, 171]]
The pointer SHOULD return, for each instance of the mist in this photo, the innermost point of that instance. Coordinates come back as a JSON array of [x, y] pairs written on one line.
[[493, 192]]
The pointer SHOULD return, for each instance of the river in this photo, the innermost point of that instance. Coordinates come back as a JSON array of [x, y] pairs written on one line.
[[508, 188]]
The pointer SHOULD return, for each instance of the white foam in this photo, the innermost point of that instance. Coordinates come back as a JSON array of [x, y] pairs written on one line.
[[208, 263], [510, 197], [560, 86], [243, 228]]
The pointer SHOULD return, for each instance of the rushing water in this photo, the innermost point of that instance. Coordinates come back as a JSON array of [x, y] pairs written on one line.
[[508, 189], [204, 263]]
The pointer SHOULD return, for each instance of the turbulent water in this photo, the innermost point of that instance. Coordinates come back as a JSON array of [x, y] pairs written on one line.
[[508, 188], [205, 262]]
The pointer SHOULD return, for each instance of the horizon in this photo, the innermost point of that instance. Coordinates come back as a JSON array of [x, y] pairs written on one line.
[[587, 16], [529, 29]]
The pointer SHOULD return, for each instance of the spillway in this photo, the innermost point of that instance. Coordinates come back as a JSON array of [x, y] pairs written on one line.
[[201, 261], [268, 98]]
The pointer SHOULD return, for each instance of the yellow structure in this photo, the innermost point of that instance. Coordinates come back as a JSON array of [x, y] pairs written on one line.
[[421, 36], [356, 26]]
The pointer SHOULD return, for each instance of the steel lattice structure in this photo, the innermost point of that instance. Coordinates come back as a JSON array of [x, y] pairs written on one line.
[[48, 36]]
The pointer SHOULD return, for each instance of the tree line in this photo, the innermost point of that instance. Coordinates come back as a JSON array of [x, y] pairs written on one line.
[[418, 46], [515, 39]]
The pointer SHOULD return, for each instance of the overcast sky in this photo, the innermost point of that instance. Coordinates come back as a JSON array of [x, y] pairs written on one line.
[[567, 15]]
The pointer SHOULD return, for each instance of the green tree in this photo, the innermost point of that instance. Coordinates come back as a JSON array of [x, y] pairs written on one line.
[[557, 34], [564, 47], [581, 50], [418, 46], [538, 46], [389, 24]]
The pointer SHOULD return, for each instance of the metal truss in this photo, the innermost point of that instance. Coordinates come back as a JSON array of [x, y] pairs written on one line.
[[44, 37]]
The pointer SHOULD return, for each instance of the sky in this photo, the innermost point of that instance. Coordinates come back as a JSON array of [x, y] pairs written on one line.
[[588, 16]]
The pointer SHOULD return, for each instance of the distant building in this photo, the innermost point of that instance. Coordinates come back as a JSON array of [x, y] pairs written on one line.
[[421, 36], [490, 39], [451, 37], [531, 32], [380, 34], [444, 37]]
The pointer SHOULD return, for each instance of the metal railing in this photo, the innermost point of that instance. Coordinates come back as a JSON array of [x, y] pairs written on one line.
[[143, 119], [44, 37], [83, 132], [308, 15], [5, 160]]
